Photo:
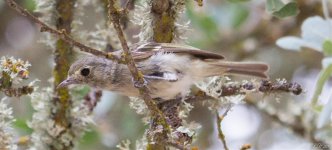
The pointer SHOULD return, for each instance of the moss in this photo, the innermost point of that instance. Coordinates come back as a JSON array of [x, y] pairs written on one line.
[[163, 28], [163, 32], [140, 75], [62, 56], [5, 81]]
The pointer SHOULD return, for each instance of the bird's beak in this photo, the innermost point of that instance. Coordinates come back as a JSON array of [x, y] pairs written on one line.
[[68, 81]]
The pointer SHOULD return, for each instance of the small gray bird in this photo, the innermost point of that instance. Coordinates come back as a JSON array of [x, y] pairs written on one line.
[[168, 69]]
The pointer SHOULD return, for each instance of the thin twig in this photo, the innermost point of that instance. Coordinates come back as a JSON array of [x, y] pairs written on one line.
[[265, 87], [114, 16], [17, 92], [61, 33], [219, 120], [297, 127], [245, 147], [268, 86], [92, 98]]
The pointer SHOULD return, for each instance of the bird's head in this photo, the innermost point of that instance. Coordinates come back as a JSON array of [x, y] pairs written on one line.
[[89, 70]]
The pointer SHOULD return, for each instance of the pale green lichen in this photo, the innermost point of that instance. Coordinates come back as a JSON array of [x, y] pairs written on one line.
[[185, 109], [47, 9], [102, 34], [143, 17], [191, 129], [6, 120], [181, 24], [150, 25], [138, 105], [124, 145], [45, 129], [140, 144], [213, 87]]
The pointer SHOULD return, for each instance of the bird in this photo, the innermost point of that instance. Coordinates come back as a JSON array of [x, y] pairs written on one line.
[[169, 70]]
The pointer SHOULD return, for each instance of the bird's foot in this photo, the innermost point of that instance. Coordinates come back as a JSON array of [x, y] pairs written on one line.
[[138, 84]]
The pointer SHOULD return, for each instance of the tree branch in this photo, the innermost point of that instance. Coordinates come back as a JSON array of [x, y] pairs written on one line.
[[62, 99], [17, 92], [219, 120], [265, 87], [246, 147], [61, 33], [157, 115], [164, 21]]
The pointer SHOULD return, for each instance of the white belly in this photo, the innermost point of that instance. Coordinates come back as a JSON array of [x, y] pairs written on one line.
[[169, 90]]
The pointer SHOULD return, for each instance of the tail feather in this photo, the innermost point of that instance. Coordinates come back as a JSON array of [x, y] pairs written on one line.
[[242, 68], [248, 72]]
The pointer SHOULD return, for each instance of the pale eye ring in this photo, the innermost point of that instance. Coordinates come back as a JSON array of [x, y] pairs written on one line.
[[85, 72]]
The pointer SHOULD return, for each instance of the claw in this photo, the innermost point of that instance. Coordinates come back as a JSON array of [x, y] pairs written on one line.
[[137, 84]]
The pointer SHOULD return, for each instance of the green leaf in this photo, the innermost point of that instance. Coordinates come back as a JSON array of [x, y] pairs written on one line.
[[90, 137], [236, 1], [29, 5], [206, 23], [325, 116], [327, 48], [289, 9], [22, 125], [274, 5]]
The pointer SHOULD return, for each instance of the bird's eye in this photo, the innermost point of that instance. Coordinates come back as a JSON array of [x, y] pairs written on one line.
[[85, 72]]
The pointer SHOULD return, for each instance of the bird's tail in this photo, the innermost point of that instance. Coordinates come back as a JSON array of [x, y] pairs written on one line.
[[237, 68]]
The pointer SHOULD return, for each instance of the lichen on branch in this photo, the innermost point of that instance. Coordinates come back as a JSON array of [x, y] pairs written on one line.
[[12, 73], [62, 55], [6, 120]]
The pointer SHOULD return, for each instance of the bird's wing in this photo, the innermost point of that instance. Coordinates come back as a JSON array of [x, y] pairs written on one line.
[[144, 51]]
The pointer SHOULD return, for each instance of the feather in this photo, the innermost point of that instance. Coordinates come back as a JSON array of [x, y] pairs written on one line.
[[144, 51]]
